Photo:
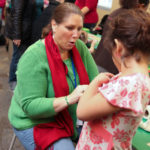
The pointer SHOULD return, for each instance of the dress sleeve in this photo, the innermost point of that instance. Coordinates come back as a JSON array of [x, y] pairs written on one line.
[[124, 93]]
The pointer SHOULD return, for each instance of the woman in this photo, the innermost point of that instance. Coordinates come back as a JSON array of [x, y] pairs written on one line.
[[43, 108], [101, 55], [88, 8]]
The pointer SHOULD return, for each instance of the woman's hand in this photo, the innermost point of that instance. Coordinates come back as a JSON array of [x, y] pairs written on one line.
[[76, 94], [61, 103]]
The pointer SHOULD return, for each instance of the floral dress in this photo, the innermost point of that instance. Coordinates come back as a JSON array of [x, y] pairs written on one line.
[[115, 131]]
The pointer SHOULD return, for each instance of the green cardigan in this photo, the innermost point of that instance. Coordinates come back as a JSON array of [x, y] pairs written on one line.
[[32, 102]]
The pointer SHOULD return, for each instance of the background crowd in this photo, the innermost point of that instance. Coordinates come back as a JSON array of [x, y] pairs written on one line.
[[54, 73]]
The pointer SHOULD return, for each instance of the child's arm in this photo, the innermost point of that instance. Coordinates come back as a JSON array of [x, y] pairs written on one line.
[[85, 10], [92, 104], [91, 49]]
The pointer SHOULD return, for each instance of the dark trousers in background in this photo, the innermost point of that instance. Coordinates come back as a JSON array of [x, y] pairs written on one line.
[[17, 53], [89, 25]]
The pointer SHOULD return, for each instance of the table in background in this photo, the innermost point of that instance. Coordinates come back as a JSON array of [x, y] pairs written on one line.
[[92, 36], [141, 140]]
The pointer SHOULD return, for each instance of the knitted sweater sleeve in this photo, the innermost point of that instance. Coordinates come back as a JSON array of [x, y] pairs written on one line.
[[32, 84]]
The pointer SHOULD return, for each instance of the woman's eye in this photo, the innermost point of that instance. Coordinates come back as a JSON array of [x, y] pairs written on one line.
[[79, 29], [69, 28]]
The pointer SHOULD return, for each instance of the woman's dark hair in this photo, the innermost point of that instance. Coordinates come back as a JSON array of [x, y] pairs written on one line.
[[61, 12], [129, 4], [132, 28], [145, 2]]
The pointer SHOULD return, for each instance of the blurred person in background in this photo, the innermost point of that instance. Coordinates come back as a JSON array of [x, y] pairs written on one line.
[[90, 43], [44, 19], [89, 9], [2, 38], [46, 2], [19, 22], [2, 6], [70, 1]]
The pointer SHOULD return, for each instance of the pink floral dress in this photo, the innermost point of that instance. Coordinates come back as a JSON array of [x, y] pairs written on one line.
[[132, 94]]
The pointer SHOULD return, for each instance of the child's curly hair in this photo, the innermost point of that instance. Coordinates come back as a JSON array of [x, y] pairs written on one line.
[[132, 28]]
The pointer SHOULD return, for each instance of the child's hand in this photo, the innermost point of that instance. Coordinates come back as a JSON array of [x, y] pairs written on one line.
[[103, 78]]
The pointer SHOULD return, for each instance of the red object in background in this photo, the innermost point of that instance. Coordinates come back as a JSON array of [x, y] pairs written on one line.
[[92, 15], [2, 5]]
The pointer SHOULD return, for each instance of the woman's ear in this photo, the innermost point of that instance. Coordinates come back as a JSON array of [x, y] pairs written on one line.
[[54, 25], [119, 48]]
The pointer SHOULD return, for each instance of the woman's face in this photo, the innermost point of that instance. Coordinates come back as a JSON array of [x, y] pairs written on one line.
[[66, 33]]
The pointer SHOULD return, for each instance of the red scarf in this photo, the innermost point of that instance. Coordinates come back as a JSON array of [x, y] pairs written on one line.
[[47, 133]]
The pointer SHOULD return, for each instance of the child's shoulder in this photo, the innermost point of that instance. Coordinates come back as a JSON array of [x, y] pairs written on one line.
[[119, 82], [135, 77]]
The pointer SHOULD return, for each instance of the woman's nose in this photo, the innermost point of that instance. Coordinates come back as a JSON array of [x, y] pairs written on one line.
[[76, 33]]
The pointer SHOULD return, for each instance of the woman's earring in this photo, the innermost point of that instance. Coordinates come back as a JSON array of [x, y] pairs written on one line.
[[53, 29]]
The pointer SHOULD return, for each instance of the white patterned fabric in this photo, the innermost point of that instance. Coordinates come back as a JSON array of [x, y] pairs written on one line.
[[132, 94]]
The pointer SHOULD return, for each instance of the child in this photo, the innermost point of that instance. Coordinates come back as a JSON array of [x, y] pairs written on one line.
[[84, 38], [114, 105]]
